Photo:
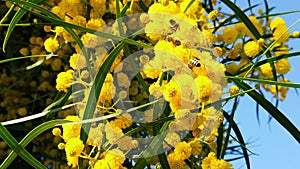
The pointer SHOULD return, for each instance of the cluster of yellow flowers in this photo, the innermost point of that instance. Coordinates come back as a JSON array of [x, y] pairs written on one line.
[[181, 70]]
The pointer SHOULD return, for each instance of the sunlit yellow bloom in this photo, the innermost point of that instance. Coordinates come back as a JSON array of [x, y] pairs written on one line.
[[170, 8], [193, 9], [261, 42], [51, 45], [56, 131], [211, 162], [218, 51], [73, 148], [176, 163], [182, 150], [234, 90], [266, 70], [230, 35], [282, 66], [108, 90], [71, 130], [296, 34], [213, 15], [77, 61], [64, 80], [204, 86], [277, 22], [251, 49], [61, 146]]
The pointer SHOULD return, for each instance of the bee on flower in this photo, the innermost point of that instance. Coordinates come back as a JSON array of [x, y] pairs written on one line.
[[174, 25], [195, 62]]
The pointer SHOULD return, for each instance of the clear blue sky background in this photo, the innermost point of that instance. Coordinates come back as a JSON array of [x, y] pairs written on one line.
[[276, 148]]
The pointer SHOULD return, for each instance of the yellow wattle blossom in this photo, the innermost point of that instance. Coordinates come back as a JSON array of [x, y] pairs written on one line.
[[114, 158], [122, 121], [281, 34], [176, 163], [234, 90], [171, 8], [296, 34], [99, 7], [193, 10], [282, 66], [89, 40], [266, 71], [56, 131], [204, 86], [277, 22], [51, 45], [278, 26], [77, 61], [196, 147], [261, 42], [79, 20], [230, 35], [218, 51], [152, 69], [108, 90], [213, 15], [182, 151], [257, 25], [211, 162], [71, 130], [73, 148], [64, 80], [251, 49], [101, 164]]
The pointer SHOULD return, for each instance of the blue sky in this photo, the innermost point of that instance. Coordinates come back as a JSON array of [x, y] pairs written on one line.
[[276, 148]]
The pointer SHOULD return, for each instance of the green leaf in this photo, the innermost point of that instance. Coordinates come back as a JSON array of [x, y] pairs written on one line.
[[142, 6], [270, 82], [55, 19], [58, 103], [229, 19], [18, 149], [96, 89], [19, 58], [239, 137], [271, 109], [271, 59], [241, 15], [146, 156], [19, 14]]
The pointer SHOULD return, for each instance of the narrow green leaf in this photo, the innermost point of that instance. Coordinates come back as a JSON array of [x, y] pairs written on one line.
[[241, 15], [19, 14], [152, 149], [53, 18], [142, 6], [17, 149], [127, 5], [239, 137], [96, 89], [226, 141], [58, 104], [270, 82], [8, 14], [19, 58], [271, 59], [271, 109], [229, 19]]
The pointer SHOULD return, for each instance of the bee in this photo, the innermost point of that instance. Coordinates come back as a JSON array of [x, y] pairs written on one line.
[[174, 25], [194, 63], [175, 41]]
